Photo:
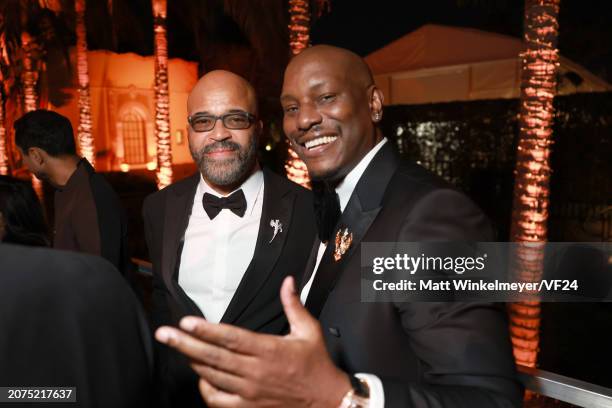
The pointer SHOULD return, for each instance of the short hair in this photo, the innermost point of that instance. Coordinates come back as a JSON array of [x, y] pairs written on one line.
[[22, 213], [46, 130]]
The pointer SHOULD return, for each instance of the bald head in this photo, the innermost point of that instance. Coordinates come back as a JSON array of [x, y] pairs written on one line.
[[222, 88], [337, 60]]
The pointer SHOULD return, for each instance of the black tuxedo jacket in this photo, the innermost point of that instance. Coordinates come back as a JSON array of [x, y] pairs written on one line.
[[70, 319], [426, 354], [256, 303]]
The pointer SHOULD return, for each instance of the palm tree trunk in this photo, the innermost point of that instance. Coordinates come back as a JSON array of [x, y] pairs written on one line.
[[162, 100], [4, 169], [532, 174], [85, 130], [30, 95], [30, 73], [299, 39]]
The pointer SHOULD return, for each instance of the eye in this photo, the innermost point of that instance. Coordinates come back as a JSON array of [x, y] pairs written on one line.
[[237, 121], [327, 98], [290, 109], [203, 121]]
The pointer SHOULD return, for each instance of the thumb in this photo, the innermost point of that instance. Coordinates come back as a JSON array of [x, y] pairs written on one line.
[[300, 320]]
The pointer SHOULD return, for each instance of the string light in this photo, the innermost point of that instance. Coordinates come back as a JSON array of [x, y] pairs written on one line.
[[539, 64], [85, 129], [29, 79], [299, 39], [162, 99], [4, 169]]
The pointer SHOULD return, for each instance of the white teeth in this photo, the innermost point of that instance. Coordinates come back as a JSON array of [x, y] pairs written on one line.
[[320, 141]]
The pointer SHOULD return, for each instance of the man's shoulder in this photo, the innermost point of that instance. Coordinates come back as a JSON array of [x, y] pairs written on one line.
[[411, 173], [40, 263], [273, 180], [423, 197], [177, 187]]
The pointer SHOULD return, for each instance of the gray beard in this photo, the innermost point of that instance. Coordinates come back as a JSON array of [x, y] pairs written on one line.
[[227, 171]]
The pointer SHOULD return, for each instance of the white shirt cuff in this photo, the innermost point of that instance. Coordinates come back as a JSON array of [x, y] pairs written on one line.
[[377, 394]]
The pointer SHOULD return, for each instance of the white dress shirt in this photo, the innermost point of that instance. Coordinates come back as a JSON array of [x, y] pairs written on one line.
[[216, 253], [344, 191]]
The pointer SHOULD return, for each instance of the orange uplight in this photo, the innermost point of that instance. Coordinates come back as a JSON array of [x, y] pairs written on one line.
[[162, 98], [85, 130], [532, 174], [299, 39]]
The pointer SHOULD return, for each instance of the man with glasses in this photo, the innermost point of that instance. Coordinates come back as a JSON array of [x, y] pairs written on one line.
[[222, 241]]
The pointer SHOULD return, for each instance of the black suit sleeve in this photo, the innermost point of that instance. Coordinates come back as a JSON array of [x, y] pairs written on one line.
[[464, 353], [160, 313]]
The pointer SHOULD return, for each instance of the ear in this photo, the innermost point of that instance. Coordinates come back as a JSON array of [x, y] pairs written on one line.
[[37, 155], [376, 104]]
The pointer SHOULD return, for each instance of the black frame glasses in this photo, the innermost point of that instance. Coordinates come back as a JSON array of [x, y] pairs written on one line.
[[201, 122]]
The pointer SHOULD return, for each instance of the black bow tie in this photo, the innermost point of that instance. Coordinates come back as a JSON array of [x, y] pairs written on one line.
[[327, 209], [234, 202]]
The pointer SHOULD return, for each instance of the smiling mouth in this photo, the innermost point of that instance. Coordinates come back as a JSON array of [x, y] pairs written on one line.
[[319, 141]]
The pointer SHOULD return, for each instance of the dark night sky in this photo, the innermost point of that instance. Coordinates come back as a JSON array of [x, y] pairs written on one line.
[[585, 28], [585, 33]]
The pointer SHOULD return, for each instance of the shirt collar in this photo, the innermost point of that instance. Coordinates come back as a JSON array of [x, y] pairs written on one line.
[[251, 188], [76, 176], [346, 186]]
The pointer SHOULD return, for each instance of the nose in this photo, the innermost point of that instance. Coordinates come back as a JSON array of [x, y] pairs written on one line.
[[219, 132], [308, 117]]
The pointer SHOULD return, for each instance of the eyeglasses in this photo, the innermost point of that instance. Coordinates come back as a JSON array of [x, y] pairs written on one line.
[[200, 122]]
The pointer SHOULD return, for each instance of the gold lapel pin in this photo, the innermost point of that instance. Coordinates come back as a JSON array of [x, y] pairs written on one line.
[[344, 239]]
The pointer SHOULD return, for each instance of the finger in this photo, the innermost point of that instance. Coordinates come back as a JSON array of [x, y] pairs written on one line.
[[301, 321], [204, 353], [226, 336], [216, 398], [223, 381]]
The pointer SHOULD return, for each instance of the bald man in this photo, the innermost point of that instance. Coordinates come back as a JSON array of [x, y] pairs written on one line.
[[359, 354], [222, 241]]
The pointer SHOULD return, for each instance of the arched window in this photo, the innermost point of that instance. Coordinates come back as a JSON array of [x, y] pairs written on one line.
[[134, 138]]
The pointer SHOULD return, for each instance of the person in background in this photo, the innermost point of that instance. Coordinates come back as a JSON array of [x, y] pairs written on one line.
[[88, 214], [70, 320], [21, 215]]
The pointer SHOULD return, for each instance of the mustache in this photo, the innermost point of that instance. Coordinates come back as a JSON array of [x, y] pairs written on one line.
[[222, 145], [316, 130]]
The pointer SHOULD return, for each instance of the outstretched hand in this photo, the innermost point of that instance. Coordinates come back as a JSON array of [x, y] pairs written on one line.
[[240, 368]]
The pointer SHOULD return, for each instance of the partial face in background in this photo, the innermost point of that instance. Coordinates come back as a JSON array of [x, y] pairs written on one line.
[[330, 107], [226, 154], [35, 159]]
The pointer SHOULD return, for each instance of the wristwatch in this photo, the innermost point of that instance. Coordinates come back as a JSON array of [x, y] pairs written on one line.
[[358, 396]]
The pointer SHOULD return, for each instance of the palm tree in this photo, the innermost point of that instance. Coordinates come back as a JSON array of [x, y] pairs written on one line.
[[532, 174], [162, 99], [4, 169], [299, 39], [85, 130], [27, 28], [31, 67]]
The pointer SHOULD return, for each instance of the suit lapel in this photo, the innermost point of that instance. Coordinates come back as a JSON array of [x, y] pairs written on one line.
[[364, 205], [277, 206], [178, 209], [311, 263]]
